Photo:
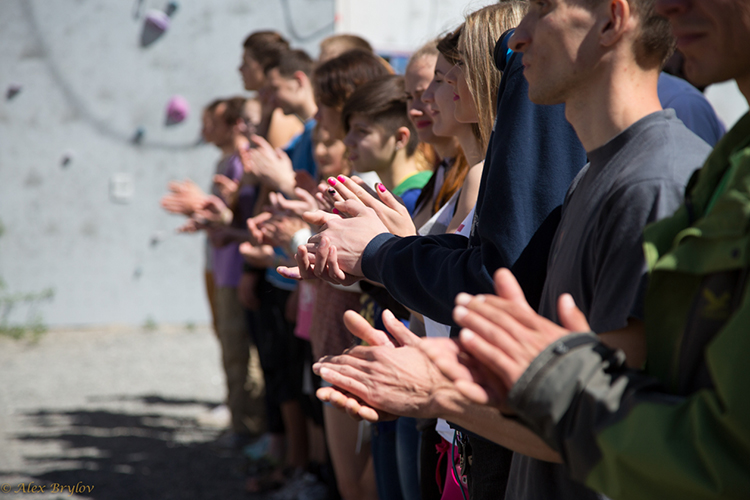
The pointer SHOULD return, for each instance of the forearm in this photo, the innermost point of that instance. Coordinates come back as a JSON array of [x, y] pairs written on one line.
[[425, 273], [489, 423], [620, 433]]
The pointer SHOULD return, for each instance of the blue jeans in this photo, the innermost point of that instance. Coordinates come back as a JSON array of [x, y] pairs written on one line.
[[384, 459], [408, 443]]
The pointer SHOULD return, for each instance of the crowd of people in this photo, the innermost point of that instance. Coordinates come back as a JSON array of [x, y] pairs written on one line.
[[516, 271]]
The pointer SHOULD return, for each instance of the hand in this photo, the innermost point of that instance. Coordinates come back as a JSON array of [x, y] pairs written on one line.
[[347, 237], [184, 197], [213, 211], [272, 166], [305, 202], [261, 256], [228, 188], [305, 181], [504, 334], [390, 211], [254, 225], [395, 377], [279, 229]]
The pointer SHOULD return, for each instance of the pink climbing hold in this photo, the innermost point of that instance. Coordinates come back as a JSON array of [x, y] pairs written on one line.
[[177, 110], [158, 19]]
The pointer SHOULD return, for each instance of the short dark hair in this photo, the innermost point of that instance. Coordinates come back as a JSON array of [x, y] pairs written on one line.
[[292, 61], [266, 47], [335, 80], [655, 42], [383, 102]]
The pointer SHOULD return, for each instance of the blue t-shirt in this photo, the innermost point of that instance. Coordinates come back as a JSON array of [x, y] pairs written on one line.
[[691, 106], [300, 151]]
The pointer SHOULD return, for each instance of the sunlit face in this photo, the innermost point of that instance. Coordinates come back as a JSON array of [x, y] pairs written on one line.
[[252, 72], [439, 99], [714, 37], [370, 148], [551, 37], [329, 154], [466, 108], [285, 91], [416, 80], [329, 118]]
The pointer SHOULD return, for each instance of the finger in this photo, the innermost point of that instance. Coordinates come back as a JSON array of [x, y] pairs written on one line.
[[507, 287], [321, 256], [496, 360], [398, 330], [333, 266], [338, 375], [472, 391], [261, 144], [293, 273], [349, 190], [330, 192], [390, 200], [318, 218], [351, 208], [303, 261], [570, 316], [495, 326], [361, 328], [445, 357]]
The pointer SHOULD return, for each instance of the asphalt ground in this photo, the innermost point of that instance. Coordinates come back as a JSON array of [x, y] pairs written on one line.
[[113, 414]]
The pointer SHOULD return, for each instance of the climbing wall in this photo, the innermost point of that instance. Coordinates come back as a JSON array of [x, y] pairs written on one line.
[[87, 147]]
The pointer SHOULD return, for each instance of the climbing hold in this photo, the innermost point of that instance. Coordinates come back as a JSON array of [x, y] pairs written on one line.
[[154, 26], [140, 132], [177, 110], [172, 7], [13, 90], [157, 237], [66, 158]]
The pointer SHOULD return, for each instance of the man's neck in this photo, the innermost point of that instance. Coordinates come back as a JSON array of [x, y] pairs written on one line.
[[306, 108], [614, 102]]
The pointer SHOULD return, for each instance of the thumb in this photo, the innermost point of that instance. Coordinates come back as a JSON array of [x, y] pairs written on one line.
[[506, 286], [360, 328], [389, 199], [351, 208], [318, 218], [570, 316], [398, 330]]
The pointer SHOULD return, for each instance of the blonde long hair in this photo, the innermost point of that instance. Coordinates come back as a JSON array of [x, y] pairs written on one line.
[[479, 33]]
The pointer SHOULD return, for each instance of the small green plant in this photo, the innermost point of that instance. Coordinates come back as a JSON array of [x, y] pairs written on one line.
[[190, 326], [34, 324], [150, 324]]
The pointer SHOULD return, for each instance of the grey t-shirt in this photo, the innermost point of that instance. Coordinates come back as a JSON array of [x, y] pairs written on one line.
[[636, 178]]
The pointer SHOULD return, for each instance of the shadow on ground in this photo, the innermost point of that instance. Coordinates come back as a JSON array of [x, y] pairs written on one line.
[[127, 455]]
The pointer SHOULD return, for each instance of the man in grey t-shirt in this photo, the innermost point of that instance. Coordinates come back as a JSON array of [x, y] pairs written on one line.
[[602, 59]]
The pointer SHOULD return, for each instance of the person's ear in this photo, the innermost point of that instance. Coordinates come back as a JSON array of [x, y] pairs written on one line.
[[301, 78], [403, 134], [615, 21]]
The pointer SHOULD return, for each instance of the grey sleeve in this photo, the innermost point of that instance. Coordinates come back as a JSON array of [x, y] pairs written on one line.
[[620, 269]]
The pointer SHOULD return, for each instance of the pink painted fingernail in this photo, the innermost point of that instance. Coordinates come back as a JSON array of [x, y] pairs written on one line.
[[331, 181], [335, 211], [381, 187], [341, 179]]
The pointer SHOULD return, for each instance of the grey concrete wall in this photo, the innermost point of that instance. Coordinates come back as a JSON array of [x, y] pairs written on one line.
[[87, 85]]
